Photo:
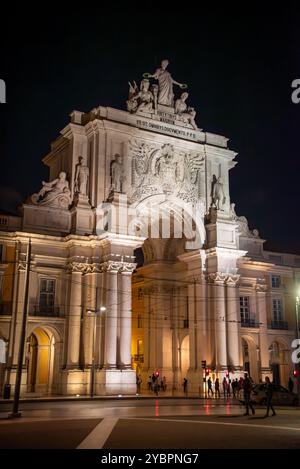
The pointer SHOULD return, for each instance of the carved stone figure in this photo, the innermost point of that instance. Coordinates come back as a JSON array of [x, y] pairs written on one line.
[[232, 212], [116, 173], [140, 100], [218, 195], [165, 84], [185, 113], [81, 177], [54, 194]]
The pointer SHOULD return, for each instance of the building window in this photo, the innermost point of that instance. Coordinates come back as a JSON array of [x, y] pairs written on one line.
[[139, 321], [275, 281], [244, 309], [47, 295], [277, 310]]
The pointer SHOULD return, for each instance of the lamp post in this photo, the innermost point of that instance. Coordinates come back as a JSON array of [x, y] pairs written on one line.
[[94, 312], [297, 365]]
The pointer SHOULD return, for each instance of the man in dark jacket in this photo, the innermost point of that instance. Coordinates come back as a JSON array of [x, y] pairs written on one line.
[[269, 394], [247, 392]]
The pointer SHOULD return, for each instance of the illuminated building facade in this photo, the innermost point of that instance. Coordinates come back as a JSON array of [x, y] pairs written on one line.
[[122, 183]]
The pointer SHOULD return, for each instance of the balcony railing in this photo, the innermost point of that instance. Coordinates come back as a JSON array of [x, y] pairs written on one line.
[[48, 311], [250, 323], [278, 325], [138, 358]]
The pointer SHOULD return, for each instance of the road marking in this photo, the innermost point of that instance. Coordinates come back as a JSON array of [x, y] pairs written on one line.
[[276, 427], [97, 438]]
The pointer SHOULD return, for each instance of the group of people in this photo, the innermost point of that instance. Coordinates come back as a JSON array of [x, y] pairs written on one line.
[[156, 384], [242, 388], [230, 387]]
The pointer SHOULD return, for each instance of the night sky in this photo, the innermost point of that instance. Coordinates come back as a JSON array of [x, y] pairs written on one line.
[[239, 63]]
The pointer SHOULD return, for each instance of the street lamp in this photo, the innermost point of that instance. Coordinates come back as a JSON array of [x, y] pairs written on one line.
[[94, 312]]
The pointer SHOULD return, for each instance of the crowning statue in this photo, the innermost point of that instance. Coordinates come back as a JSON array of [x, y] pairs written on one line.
[[81, 177], [54, 194], [116, 174], [165, 84]]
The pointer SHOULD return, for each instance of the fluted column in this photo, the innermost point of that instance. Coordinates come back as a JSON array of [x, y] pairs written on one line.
[[111, 317], [126, 316], [75, 314], [261, 289], [220, 321], [233, 321]]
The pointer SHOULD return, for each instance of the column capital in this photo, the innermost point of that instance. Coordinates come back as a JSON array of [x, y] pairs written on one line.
[[222, 278], [233, 280], [76, 267], [261, 285], [219, 278]]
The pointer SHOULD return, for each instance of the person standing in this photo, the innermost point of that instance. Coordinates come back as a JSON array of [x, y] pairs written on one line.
[[247, 392], [269, 394], [185, 383]]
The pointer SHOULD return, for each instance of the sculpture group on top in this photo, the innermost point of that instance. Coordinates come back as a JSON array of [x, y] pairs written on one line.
[[149, 97]]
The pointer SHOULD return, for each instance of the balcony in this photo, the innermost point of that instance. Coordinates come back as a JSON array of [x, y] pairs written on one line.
[[138, 358], [278, 325], [250, 323], [49, 311]]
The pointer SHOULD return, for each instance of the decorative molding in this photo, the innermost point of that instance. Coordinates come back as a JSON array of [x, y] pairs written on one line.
[[165, 170]]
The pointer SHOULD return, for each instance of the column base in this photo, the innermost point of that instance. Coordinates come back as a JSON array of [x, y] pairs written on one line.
[[111, 382], [74, 381]]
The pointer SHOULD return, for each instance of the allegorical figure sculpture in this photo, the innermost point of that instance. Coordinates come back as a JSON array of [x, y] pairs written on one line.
[[81, 177], [218, 195], [54, 194], [185, 113], [116, 173], [165, 84], [140, 100]]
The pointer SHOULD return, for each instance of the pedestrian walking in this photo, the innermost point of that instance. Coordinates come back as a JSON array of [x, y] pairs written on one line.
[[224, 384], [269, 394], [247, 392], [217, 388]]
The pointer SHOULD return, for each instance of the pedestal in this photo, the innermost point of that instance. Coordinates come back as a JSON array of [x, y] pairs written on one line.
[[82, 216], [115, 382], [74, 382]]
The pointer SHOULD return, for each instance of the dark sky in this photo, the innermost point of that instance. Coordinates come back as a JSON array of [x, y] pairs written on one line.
[[239, 63]]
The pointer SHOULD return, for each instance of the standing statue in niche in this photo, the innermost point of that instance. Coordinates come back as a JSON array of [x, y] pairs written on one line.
[[116, 173], [165, 84], [54, 194], [185, 113], [81, 177], [218, 194]]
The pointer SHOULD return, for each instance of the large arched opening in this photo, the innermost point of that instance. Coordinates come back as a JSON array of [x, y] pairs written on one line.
[[42, 361], [250, 358], [279, 363]]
